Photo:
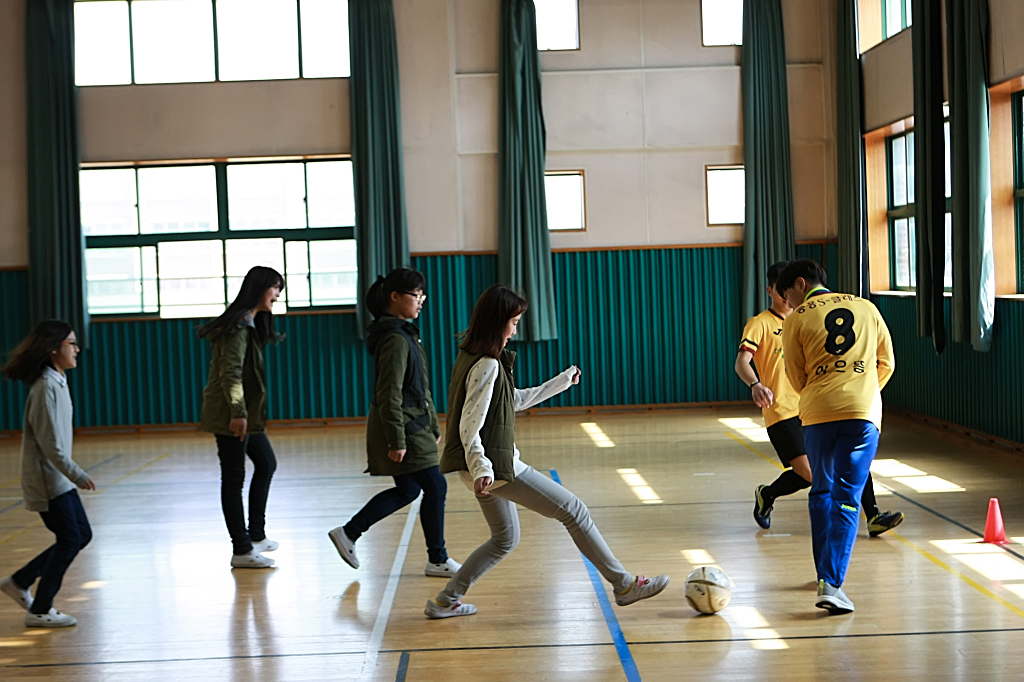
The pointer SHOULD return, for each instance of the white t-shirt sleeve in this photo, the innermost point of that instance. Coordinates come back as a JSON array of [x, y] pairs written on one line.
[[526, 398], [479, 389]]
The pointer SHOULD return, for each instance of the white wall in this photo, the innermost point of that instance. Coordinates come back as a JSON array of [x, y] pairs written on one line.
[[642, 108]]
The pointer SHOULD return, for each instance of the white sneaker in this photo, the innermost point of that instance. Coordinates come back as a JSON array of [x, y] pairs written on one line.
[[346, 548], [435, 610], [265, 545], [22, 597], [642, 588], [445, 570], [252, 559], [53, 619]]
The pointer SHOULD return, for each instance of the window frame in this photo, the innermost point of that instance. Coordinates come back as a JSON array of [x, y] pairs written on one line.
[[904, 4], [223, 232], [579, 36], [216, 50], [1017, 108], [906, 211], [726, 45], [583, 177], [707, 193]]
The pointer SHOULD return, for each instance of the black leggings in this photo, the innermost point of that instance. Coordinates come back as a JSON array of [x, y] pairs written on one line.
[[407, 487], [232, 453]]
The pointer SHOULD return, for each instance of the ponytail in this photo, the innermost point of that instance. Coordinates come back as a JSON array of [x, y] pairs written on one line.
[[402, 280]]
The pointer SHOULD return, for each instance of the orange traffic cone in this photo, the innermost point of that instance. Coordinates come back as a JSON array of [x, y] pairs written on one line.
[[994, 533]]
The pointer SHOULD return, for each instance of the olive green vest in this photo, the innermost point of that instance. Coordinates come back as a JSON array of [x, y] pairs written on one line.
[[498, 431]]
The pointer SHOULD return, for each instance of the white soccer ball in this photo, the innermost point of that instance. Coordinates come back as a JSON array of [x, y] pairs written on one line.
[[708, 589]]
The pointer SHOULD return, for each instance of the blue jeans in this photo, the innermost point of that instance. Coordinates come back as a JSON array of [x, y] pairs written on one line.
[[67, 520], [407, 488], [840, 455]]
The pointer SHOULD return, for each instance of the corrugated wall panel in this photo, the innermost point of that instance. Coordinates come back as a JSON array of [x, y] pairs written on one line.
[[13, 327], [981, 391]]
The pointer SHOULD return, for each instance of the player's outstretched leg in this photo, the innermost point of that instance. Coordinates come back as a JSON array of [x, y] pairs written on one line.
[[878, 522]]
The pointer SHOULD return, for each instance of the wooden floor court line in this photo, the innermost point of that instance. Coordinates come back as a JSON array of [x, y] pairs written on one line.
[[89, 469]]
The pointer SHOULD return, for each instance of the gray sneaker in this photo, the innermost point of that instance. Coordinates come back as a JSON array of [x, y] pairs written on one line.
[[435, 610], [833, 599], [346, 548]]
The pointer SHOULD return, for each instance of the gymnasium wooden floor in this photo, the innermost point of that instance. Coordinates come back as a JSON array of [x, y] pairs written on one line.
[[156, 599]]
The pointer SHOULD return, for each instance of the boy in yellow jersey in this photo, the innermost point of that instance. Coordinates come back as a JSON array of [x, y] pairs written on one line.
[[838, 356], [780, 405]]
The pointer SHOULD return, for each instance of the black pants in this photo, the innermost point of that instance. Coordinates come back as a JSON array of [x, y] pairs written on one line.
[[407, 487], [66, 518], [232, 453]]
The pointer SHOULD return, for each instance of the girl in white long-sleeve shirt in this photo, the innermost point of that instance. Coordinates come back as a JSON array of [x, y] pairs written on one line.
[[48, 474], [480, 445]]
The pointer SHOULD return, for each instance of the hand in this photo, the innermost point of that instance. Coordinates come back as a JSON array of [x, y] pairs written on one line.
[[762, 395], [576, 376], [481, 485], [439, 440], [88, 485], [396, 455], [239, 426]]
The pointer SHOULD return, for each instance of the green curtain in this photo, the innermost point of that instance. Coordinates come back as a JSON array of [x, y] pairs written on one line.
[[974, 295], [56, 247], [524, 246], [853, 229], [929, 170], [768, 224], [382, 239]]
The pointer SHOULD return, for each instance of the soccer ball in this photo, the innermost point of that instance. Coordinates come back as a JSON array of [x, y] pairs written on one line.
[[708, 589]]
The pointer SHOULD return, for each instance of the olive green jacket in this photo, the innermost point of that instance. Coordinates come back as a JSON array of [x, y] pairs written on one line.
[[392, 423], [237, 384], [498, 431]]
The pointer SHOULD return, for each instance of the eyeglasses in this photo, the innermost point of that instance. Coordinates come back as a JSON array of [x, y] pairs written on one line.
[[73, 343], [420, 298]]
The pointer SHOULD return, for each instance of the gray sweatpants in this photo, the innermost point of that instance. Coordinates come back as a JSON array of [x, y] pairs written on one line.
[[539, 493]]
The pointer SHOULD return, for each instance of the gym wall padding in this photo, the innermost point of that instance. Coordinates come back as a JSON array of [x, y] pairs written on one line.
[[637, 344]]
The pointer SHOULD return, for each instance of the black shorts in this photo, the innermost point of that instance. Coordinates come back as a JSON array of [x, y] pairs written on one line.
[[787, 436]]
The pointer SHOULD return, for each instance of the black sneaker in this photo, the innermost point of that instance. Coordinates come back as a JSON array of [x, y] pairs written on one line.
[[884, 521], [762, 508]]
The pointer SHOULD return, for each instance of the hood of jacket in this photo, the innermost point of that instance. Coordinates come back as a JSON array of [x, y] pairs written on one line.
[[385, 325]]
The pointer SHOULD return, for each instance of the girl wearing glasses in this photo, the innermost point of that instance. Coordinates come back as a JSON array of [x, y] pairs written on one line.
[[235, 411], [401, 429], [480, 445], [48, 474]]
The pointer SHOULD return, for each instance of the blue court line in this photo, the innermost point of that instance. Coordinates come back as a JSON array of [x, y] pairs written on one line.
[[403, 667], [619, 639], [94, 466]]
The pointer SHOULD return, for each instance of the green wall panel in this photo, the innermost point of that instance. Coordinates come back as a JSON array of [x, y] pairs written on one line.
[[13, 327], [981, 391]]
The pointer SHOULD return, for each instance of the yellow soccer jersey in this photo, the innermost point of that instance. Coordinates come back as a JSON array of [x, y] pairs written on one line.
[[762, 337], [838, 357]]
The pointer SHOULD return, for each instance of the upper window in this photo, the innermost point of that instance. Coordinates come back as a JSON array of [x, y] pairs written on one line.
[[566, 204], [722, 22], [558, 25], [726, 195], [178, 240], [118, 42], [902, 224], [895, 16]]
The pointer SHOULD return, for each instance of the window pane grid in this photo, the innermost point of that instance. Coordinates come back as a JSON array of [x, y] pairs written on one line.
[[119, 42], [184, 273]]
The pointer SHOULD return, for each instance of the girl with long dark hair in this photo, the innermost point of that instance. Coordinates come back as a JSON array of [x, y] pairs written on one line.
[[480, 445], [402, 432], [48, 474], [235, 411]]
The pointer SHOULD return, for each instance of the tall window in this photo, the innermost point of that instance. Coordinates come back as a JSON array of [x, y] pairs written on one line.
[[722, 22], [118, 42], [902, 228], [727, 199], [177, 240], [1018, 182], [566, 204], [558, 25], [895, 16]]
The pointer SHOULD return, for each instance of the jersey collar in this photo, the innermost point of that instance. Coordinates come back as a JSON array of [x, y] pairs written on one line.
[[816, 291]]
